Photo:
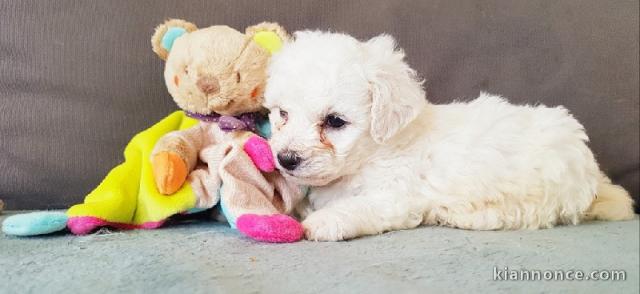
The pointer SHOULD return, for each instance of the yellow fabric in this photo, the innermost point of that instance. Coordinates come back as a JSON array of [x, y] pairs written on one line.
[[128, 193], [268, 40]]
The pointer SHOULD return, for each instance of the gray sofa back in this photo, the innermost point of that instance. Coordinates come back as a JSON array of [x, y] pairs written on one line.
[[78, 78]]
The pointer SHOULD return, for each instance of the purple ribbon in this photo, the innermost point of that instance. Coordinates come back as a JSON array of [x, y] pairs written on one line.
[[227, 123]]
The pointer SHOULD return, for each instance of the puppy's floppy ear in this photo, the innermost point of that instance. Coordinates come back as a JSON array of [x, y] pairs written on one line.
[[268, 35], [166, 33], [397, 96]]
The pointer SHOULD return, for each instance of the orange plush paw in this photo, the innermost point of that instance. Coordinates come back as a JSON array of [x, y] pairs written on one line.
[[169, 171]]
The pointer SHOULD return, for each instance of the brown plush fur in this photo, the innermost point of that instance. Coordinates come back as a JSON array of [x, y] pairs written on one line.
[[162, 29], [214, 69], [219, 53]]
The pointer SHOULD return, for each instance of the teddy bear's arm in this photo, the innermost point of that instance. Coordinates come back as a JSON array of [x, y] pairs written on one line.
[[174, 156]]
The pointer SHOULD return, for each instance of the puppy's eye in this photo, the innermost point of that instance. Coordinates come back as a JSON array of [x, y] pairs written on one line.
[[186, 70], [284, 115], [237, 77], [333, 121]]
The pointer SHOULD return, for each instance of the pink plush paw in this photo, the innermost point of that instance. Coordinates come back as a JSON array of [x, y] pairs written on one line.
[[276, 228], [259, 151], [83, 225]]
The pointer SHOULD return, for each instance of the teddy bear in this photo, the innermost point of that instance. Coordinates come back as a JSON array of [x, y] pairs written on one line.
[[205, 154], [217, 75]]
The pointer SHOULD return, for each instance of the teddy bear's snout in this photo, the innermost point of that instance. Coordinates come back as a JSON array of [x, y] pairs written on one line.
[[208, 85]]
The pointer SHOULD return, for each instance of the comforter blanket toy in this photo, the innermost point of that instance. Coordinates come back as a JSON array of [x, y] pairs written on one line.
[[216, 75], [127, 198]]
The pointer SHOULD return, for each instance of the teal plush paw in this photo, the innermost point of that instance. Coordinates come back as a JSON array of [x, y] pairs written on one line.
[[35, 223]]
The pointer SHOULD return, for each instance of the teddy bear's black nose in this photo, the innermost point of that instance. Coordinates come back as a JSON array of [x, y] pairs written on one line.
[[208, 85], [289, 159]]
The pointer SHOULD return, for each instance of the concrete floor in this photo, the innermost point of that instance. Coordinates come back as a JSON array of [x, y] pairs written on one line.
[[208, 257]]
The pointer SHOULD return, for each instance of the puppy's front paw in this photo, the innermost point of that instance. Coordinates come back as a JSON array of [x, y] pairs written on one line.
[[324, 226]]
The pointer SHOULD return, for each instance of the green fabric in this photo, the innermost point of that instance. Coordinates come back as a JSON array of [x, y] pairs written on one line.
[[128, 193]]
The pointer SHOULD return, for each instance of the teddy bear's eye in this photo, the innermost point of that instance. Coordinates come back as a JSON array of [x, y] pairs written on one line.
[[237, 77]]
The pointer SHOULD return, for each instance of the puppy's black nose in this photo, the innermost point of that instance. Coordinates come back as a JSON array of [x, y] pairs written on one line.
[[289, 159]]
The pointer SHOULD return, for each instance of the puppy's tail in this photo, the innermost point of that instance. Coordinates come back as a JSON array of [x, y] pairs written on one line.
[[612, 203]]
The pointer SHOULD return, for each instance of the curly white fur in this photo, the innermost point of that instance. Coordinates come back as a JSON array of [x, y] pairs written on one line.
[[400, 162]]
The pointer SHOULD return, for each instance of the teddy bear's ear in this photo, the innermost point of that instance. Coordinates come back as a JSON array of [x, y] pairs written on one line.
[[166, 33], [268, 35]]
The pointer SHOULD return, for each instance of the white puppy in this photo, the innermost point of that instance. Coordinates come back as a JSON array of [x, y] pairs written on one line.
[[351, 120]]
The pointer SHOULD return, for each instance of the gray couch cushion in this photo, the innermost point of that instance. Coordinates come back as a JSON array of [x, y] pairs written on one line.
[[78, 78]]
